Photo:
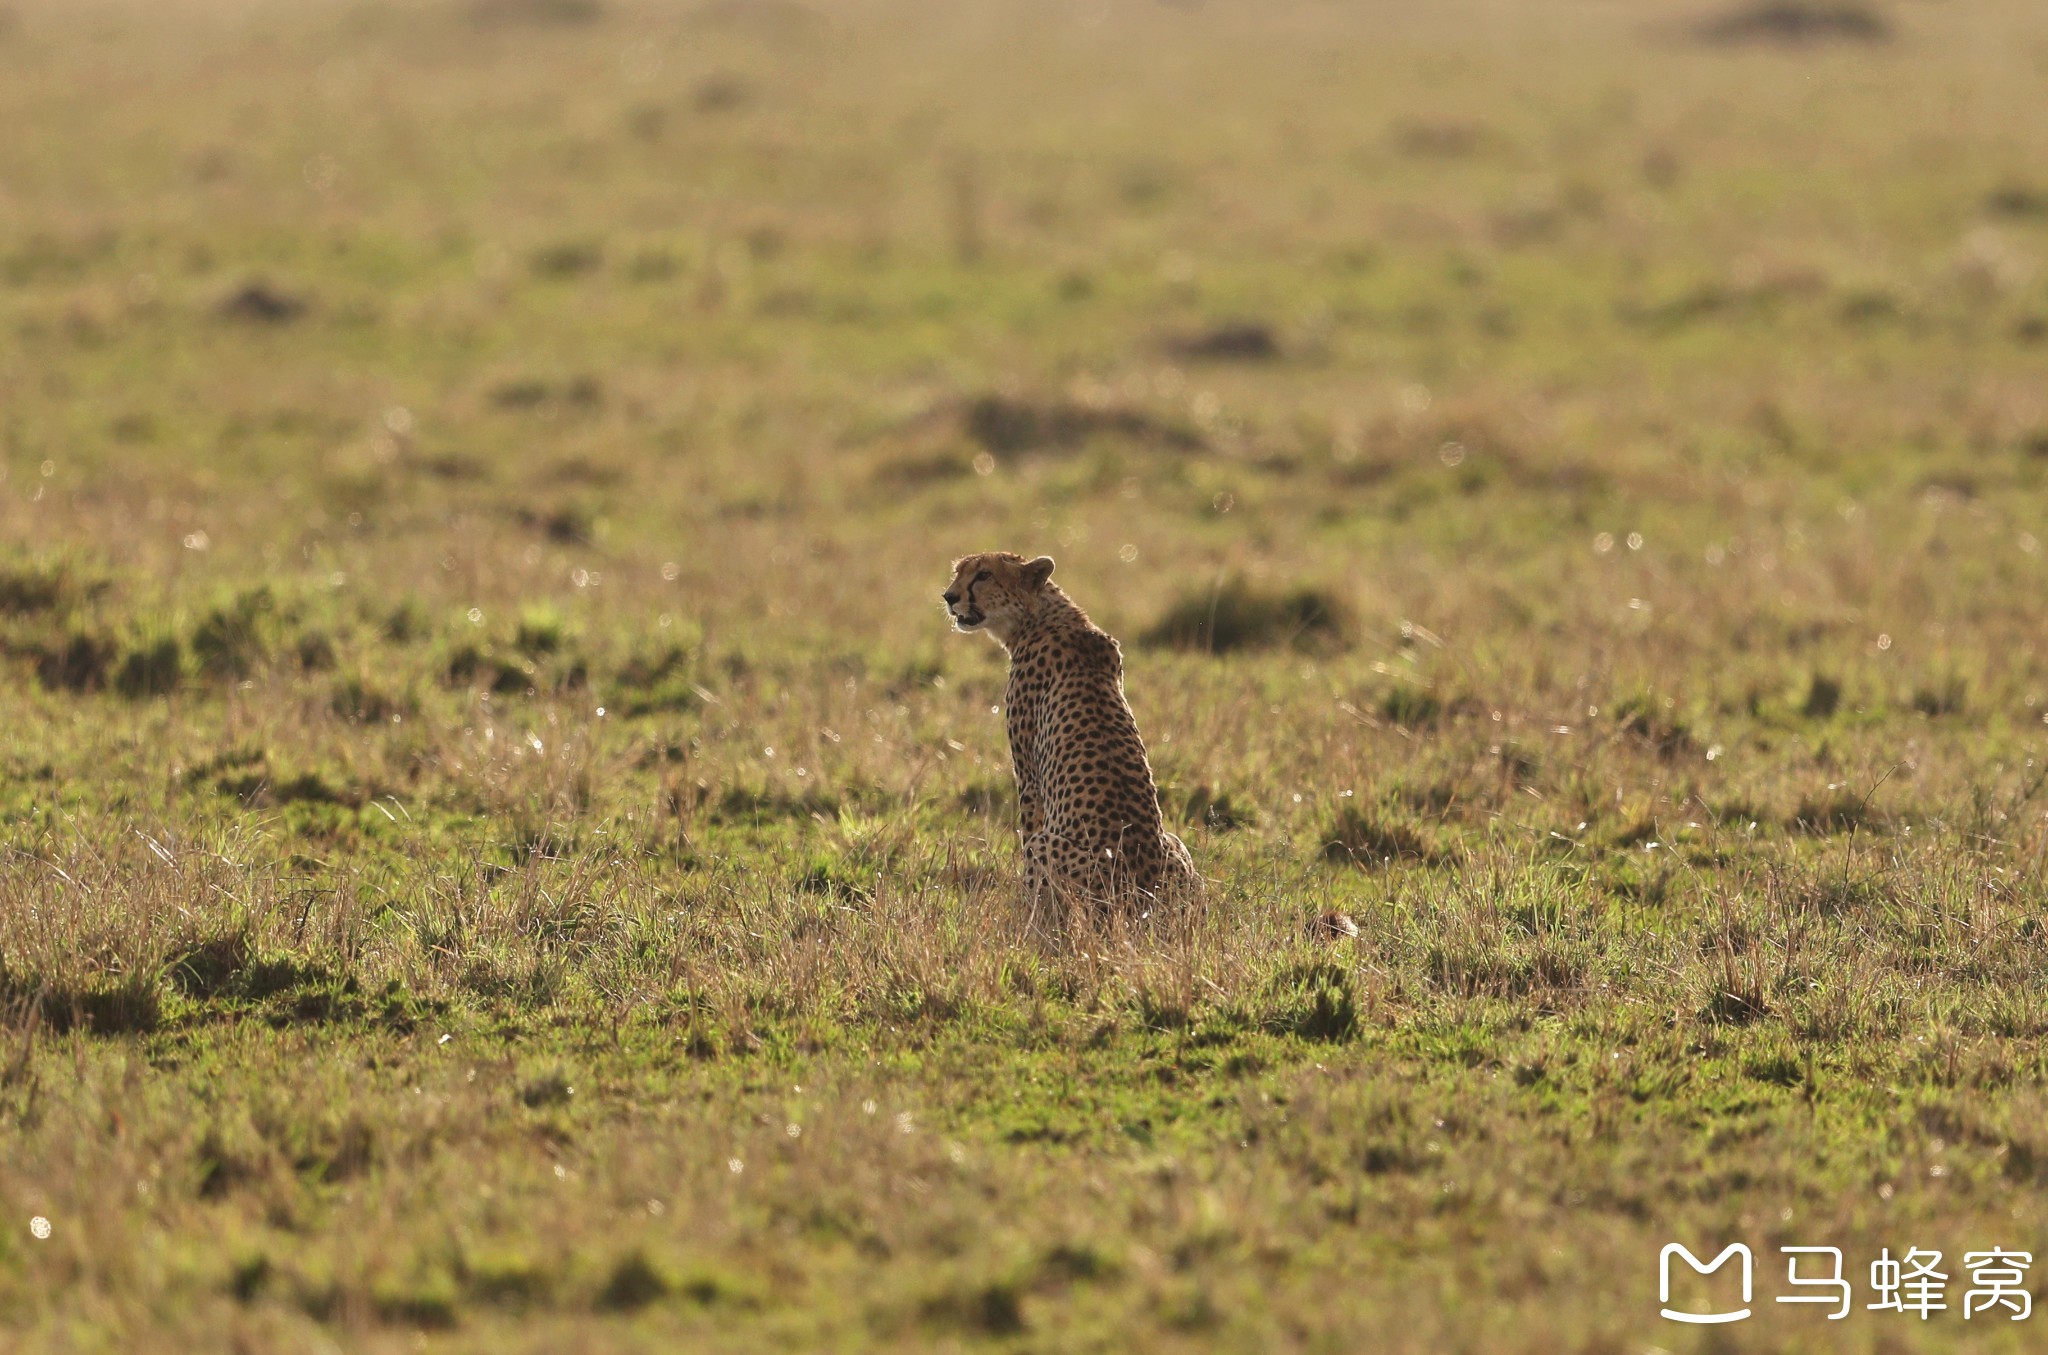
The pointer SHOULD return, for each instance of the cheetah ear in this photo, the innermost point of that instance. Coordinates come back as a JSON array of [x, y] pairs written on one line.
[[1038, 571]]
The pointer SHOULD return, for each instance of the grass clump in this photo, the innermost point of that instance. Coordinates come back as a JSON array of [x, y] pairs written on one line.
[[1411, 706], [1946, 697], [1823, 697], [1313, 1000], [1210, 806], [359, 700], [992, 1308], [429, 1303], [260, 302], [1368, 835], [1798, 23], [654, 683], [543, 13], [31, 587], [79, 662], [478, 666], [1838, 809], [231, 968], [152, 666], [1007, 426], [633, 1283], [1236, 615], [234, 636], [1235, 341], [1649, 718], [126, 1001], [541, 631]]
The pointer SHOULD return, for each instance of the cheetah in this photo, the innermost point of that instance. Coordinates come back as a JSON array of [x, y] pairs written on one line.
[[1088, 810]]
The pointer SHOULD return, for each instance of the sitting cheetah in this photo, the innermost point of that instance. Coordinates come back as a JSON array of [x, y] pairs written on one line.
[[1087, 807]]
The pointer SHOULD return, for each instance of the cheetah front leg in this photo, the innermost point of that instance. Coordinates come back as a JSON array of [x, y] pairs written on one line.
[[1044, 914], [1066, 884], [1043, 911], [1178, 881]]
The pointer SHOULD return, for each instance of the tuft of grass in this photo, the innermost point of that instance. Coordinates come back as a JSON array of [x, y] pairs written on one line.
[[567, 258], [1314, 1000], [1823, 697], [477, 666], [565, 525], [1837, 810], [1008, 426], [429, 1303], [31, 587], [262, 303], [359, 700], [633, 1282], [547, 13], [541, 631], [1235, 615], [1207, 805], [2017, 200], [1411, 706], [229, 967], [79, 662], [553, 13], [1647, 717], [152, 666], [1798, 23], [1367, 835], [234, 636], [1949, 696], [127, 1002], [993, 1308], [549, 1089], [1235, 341], [507, 1279]]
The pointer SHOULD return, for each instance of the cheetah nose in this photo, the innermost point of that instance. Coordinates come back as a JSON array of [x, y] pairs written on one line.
[[951, 598]]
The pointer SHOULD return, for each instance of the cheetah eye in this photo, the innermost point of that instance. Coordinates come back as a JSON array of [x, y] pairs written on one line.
[[979, 577]]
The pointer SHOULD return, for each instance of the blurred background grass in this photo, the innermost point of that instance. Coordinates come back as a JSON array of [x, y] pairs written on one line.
[[475, 480]]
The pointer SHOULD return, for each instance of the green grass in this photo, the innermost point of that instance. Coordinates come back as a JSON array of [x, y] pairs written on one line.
[[498, 849]]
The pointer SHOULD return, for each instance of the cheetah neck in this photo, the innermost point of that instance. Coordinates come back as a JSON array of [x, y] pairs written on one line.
[[1055, 614]]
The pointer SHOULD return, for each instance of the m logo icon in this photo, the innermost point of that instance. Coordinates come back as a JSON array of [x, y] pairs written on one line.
[[1664, 1281]]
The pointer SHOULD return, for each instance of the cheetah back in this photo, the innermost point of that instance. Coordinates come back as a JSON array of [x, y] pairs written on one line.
[[1094, 783]]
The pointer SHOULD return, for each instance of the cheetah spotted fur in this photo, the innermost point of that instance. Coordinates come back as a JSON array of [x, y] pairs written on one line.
[[1087, 807]]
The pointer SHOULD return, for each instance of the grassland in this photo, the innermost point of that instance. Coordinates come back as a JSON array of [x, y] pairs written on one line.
[[498, 851]]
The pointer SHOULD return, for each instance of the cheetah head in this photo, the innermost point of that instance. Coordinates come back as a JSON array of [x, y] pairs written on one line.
[[995, 591]]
